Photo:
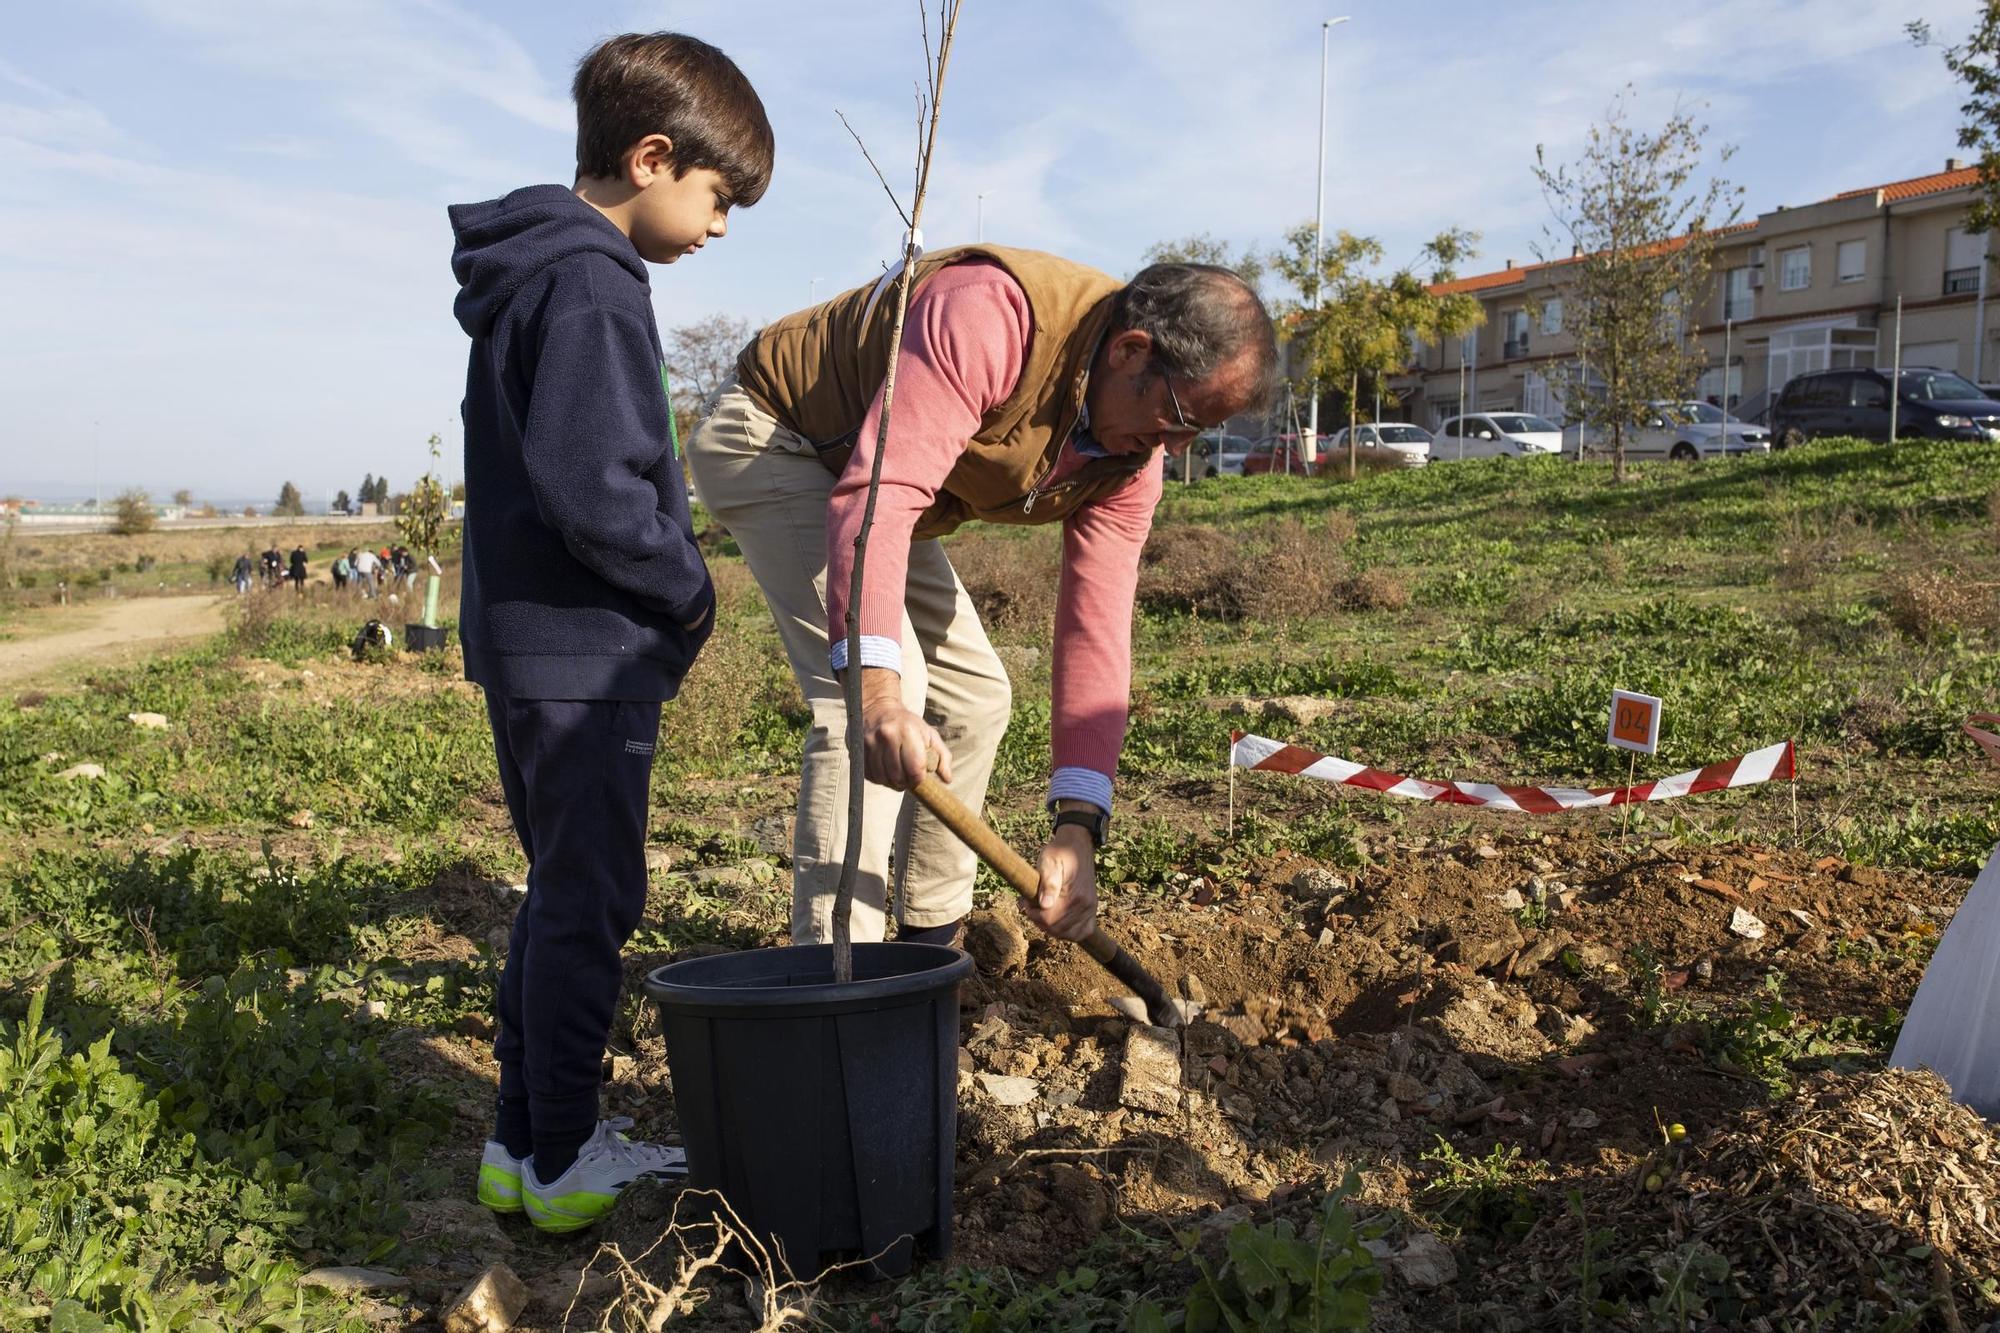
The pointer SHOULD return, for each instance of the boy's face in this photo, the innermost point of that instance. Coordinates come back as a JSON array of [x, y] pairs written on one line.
[[674, 215]]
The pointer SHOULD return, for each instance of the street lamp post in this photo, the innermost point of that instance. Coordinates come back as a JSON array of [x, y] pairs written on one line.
[[1309, 447]]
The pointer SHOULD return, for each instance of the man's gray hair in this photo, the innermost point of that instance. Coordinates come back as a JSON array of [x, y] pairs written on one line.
[[1201, 317]]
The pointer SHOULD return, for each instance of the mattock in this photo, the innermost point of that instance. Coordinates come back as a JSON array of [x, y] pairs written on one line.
[[1011, 866]]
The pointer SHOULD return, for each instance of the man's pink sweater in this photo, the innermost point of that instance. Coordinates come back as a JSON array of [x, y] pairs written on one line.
[[965, 340]]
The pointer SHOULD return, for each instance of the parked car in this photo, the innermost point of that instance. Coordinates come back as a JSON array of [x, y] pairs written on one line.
[[1687, 431], [1410, 444], [1936, 403], [1496, 435], [1225, 452], [1279, 453]]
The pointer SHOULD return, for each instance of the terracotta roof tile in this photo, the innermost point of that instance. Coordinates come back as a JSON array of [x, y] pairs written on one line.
[[1507, 277], [1918, 186]]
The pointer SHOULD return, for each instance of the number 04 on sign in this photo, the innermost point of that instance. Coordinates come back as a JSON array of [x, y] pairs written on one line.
[[1635, 722]]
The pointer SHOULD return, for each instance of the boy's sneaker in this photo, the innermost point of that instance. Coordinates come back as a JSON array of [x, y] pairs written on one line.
[[500, 1171], [604, 1166], [500, 1178]]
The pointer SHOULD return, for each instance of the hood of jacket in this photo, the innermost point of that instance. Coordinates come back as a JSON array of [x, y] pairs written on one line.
[[502, 244]]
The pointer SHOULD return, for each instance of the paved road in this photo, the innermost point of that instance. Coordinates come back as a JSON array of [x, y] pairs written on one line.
[[47, 639]]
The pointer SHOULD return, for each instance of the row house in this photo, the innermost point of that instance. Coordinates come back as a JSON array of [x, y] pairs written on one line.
[[1795, 290]]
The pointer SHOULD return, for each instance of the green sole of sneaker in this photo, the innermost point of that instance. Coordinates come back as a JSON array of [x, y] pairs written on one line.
[[499, 1190]]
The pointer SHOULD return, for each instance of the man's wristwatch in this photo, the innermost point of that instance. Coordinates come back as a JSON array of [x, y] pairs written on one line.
[[1085, 816]]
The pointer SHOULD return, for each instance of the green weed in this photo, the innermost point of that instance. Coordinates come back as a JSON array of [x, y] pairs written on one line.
[[1492, 1195], [1275, 1280]]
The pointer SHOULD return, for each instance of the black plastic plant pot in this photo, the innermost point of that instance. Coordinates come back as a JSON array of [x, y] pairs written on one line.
[[825, 1114], [425, 638]]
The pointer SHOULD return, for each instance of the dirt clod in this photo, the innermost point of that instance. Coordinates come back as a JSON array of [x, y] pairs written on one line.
[[996, 942]]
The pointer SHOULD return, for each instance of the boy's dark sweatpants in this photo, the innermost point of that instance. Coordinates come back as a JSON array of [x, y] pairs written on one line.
[[576, 774]]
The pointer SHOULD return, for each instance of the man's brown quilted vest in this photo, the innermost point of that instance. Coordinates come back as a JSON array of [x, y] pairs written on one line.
[[817, 371]]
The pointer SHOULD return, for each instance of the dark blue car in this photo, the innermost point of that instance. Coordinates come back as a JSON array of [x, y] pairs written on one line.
[[1934, 403]]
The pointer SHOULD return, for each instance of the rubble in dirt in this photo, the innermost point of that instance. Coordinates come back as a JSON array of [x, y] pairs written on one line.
[[1485, 993], [1480, 992]]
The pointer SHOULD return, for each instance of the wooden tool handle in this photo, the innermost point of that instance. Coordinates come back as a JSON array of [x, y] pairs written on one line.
[[1011, 866], [975, 833]]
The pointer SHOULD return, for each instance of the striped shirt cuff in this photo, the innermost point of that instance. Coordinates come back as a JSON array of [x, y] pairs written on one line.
[[876, 651], [1081, 784]]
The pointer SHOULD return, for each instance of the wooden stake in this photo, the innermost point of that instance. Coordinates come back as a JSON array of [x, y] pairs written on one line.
[[1625, 810], [1231, 762]]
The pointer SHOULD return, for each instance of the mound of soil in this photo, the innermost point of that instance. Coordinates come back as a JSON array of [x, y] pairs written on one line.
[[1530, 995]]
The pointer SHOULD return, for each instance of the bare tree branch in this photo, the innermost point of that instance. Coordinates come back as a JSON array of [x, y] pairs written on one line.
[[893, 200]]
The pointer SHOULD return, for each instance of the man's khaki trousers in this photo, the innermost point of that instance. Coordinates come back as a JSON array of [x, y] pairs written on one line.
[[767, 486]]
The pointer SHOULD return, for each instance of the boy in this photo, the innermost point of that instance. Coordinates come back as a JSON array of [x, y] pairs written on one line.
[[585, 598]]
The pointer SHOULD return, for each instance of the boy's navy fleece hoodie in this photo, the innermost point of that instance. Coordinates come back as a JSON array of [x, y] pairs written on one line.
[[581, 573]]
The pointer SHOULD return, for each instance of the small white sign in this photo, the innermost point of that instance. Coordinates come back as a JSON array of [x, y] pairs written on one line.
[[1635, 722]]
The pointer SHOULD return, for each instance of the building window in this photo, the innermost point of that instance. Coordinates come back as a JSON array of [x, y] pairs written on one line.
[[1552, 315], [1964, 252], [1514, 333], [1795, 268], [1851, 261], [1714, 386], [1800, 351], [1739, 298]]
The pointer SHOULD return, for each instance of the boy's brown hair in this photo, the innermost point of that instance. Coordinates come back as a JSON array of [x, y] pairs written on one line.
[[667, 83]]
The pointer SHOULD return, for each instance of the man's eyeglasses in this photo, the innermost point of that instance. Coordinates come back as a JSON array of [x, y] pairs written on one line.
[[1180, 418]]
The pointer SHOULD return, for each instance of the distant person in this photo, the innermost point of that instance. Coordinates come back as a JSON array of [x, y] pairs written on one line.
[[299, 570], [240, 575], [585, 597], [363, 563], [274, 567], [405, 567], [340, 572]]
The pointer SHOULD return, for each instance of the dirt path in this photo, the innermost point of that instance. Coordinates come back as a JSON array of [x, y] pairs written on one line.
[[54, 637]]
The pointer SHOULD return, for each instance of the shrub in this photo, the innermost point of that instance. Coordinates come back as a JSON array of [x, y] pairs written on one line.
[[1012, 581], [132, 513], [1302, 572], [1283, 571], [1332, 464], [1936, 603], [1191, 568], [1374, 590]]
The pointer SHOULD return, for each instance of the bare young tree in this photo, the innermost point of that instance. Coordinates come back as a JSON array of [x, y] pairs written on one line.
[[929, 106], [1641, 227]]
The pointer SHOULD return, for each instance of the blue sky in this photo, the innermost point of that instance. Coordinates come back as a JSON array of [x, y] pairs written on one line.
[[223, 249]]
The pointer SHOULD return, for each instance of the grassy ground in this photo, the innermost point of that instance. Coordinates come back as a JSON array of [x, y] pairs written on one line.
[[33, 561], [244, 974]]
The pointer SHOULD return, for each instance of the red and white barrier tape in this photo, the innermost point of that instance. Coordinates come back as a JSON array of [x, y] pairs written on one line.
[[1257, 752]]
